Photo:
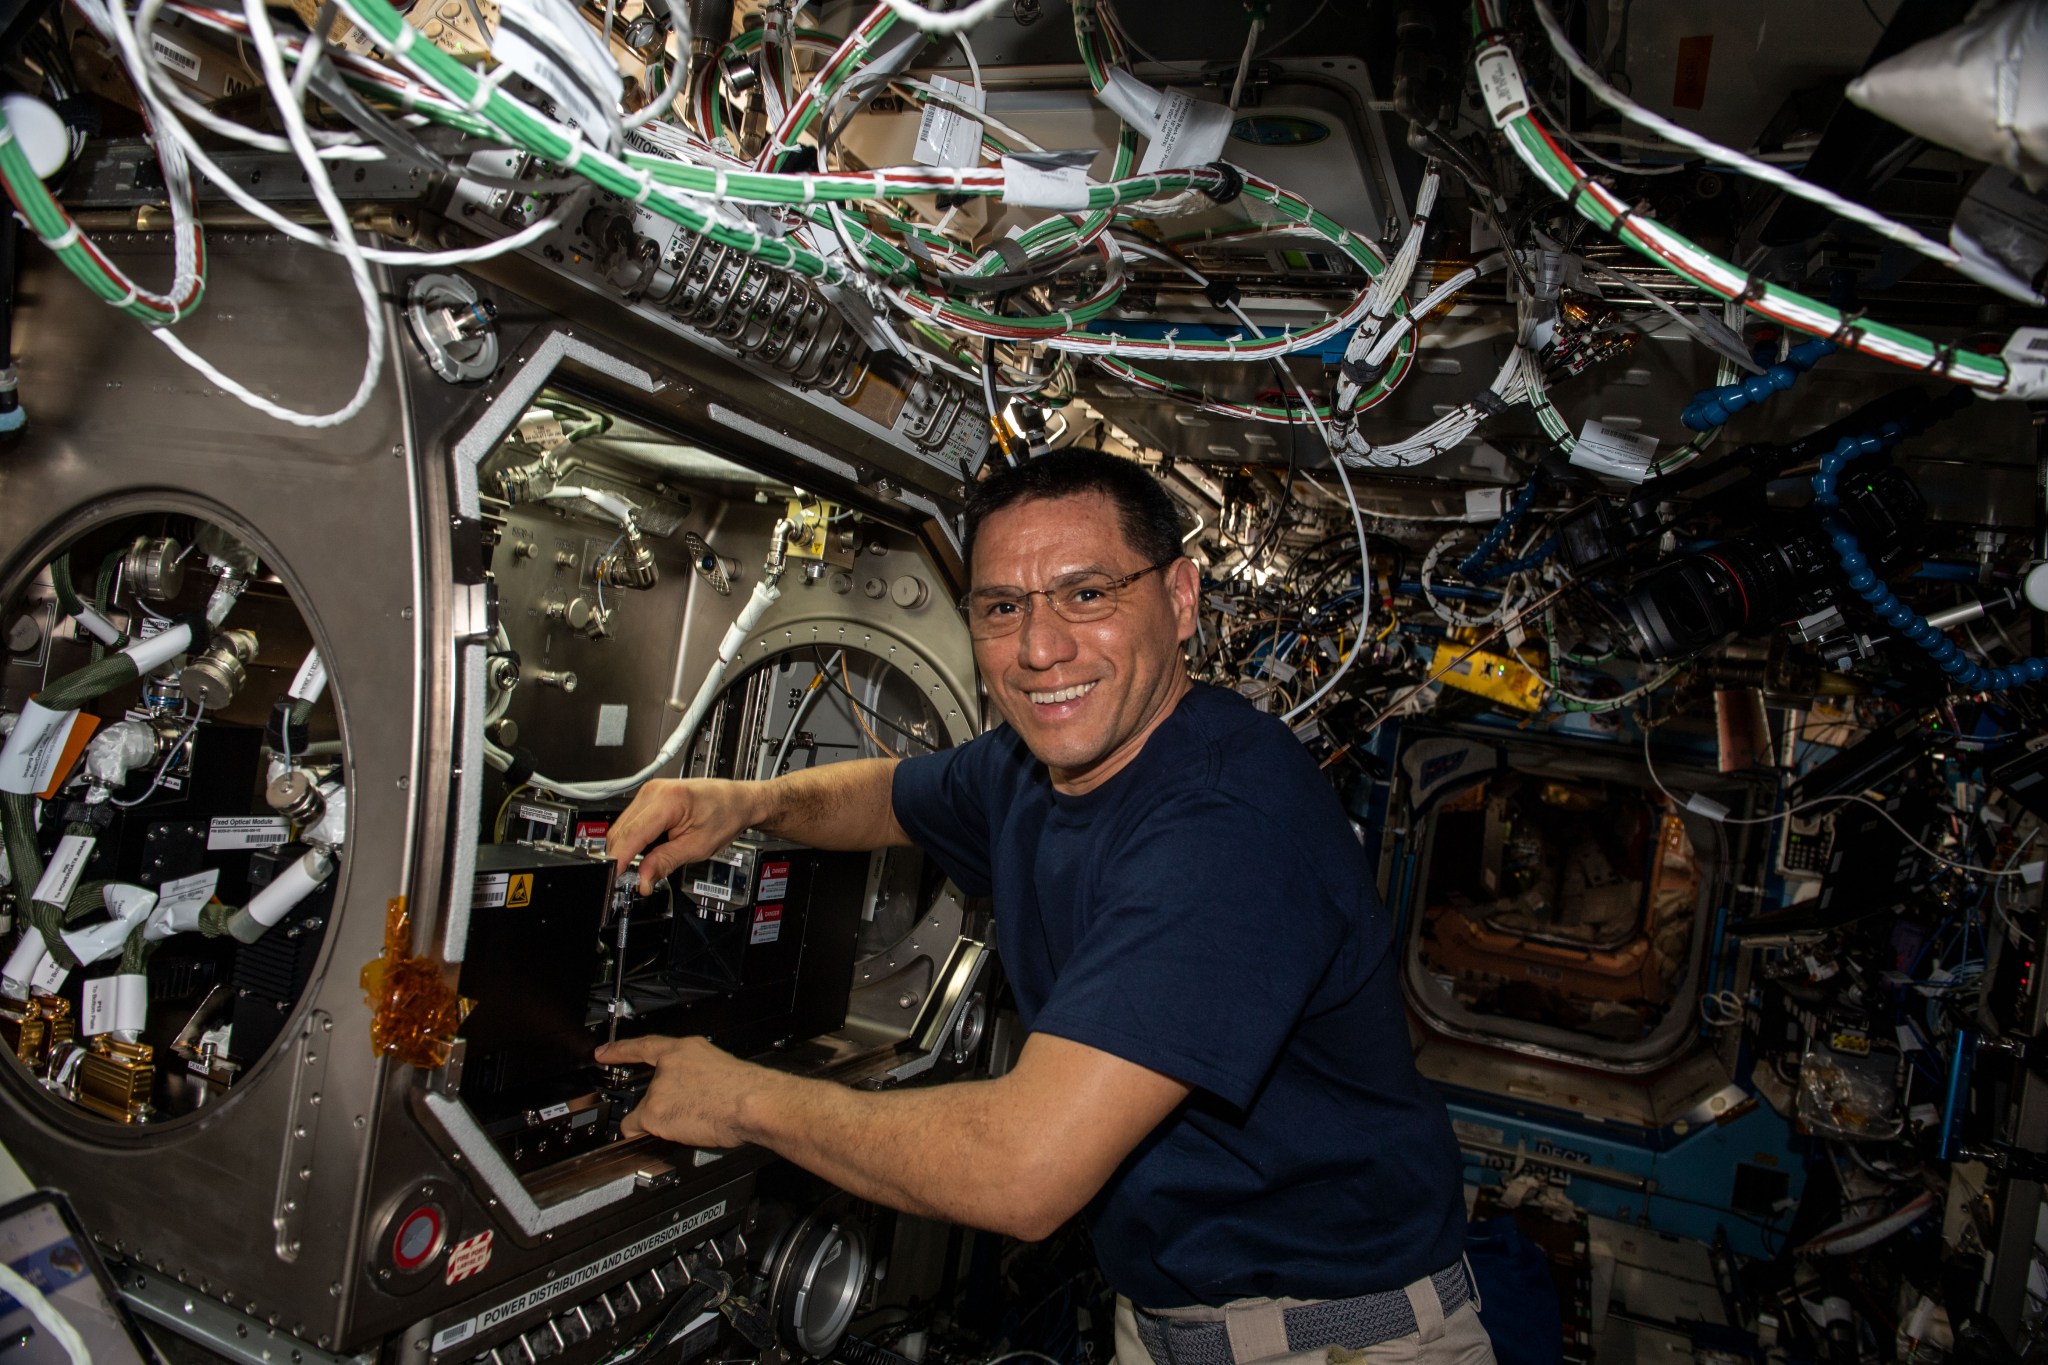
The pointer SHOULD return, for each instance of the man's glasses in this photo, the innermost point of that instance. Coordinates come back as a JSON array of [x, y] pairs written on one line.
[[995, 612]]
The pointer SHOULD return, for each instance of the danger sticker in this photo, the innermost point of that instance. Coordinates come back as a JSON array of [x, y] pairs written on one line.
[[503, 890], [774, 881], [467, 1257], [767, 924], [246, 831]]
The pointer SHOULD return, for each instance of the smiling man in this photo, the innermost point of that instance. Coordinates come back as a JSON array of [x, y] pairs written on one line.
[[1217, 1068]]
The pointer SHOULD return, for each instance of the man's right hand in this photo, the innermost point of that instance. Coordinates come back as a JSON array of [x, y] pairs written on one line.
[[699, 816]]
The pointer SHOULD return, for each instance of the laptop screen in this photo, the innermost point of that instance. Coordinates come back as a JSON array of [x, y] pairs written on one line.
[[40, 1243]]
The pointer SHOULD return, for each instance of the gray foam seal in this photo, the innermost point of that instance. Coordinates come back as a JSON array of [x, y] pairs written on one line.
[[530, 1217]]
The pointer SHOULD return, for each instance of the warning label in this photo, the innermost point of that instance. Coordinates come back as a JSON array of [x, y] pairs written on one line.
[[767, 924], [774, 881], [507, 890]]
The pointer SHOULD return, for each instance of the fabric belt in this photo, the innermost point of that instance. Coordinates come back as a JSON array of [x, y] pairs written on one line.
[[1254, 1329]]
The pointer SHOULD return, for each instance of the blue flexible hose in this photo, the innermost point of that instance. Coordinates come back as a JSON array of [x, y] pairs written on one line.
[[1971, 677], [1710, 408]]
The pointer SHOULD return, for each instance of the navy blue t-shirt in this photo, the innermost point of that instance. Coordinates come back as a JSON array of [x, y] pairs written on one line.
[[1207, 913]]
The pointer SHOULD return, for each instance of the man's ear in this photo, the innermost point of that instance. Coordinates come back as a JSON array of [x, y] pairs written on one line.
[[1184, 581]]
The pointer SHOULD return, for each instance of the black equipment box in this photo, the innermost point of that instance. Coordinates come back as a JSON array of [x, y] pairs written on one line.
[[763, 945], [534, 924]]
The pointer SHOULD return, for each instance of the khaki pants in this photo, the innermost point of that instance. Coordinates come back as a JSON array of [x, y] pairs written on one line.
[[1459, 1339]]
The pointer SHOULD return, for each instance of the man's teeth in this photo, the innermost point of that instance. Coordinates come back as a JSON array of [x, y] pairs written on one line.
[[1064, 694]]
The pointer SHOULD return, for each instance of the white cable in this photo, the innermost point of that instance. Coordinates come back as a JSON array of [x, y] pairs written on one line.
[[55, 1323], [1791, 811], [185, 145], [764, 596], [1244, 62], [264, 41], [924, 20], [1889, 229]]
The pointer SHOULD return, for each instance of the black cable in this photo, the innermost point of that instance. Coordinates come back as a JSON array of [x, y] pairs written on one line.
[[862, 707]]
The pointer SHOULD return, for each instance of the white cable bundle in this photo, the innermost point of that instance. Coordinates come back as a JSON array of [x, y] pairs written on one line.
[[764, 596]]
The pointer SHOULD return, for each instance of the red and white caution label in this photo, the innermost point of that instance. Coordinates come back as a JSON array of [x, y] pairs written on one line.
[[767, 924], [468, 1256]]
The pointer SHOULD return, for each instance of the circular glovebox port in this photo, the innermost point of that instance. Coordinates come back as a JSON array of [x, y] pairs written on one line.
[[174, 807]]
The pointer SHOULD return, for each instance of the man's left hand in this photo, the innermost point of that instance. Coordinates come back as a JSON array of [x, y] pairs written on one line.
[[697, 1092]]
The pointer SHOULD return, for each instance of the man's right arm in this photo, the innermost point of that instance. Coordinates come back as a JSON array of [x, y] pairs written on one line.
[[838, 806]]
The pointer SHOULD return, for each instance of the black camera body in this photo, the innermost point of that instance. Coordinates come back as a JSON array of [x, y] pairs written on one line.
[[1752, 583]]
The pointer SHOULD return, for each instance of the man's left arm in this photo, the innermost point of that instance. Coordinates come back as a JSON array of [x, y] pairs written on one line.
[[1018, 1155]]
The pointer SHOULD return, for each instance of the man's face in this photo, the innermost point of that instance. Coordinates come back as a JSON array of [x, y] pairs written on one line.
[[1083, 697]]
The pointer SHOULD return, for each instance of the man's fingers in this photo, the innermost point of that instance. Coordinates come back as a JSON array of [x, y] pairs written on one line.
[[648, 1049], [661, 862], [631, 1126]]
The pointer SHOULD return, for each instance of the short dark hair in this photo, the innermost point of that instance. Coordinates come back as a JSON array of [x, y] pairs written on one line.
[[1147, 514]]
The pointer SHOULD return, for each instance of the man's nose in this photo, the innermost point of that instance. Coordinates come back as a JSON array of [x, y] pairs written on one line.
[[1046, 638]]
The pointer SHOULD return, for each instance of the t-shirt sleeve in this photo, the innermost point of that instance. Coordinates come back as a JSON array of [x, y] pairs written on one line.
[[1209, 941], [941, 800]]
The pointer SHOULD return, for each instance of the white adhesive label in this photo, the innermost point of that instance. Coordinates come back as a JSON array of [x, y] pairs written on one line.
[[1047, 182], [311, 679], [1500, 83], [539, 815], [502, 890], [180, 61], [60, 878], [28, 764], [1483, 504], [246, 831], [945, 137], [49, 977], [99, 1006], [1616, 453], [1189, 132], [126, 901], [2030, 873], [2026, 356], [179, 902]]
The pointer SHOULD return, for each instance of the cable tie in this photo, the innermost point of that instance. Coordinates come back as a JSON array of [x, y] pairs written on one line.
[[64, 240], [646, 189], [133, 294], [718, 183], [1944, 360], [1847, 334], [574, 156], [1232, 183]]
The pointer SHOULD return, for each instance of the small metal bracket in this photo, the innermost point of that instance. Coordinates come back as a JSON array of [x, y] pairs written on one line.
[[302, 1131]]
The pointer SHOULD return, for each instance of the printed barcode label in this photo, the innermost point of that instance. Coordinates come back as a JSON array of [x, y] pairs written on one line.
[[254, 831]]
